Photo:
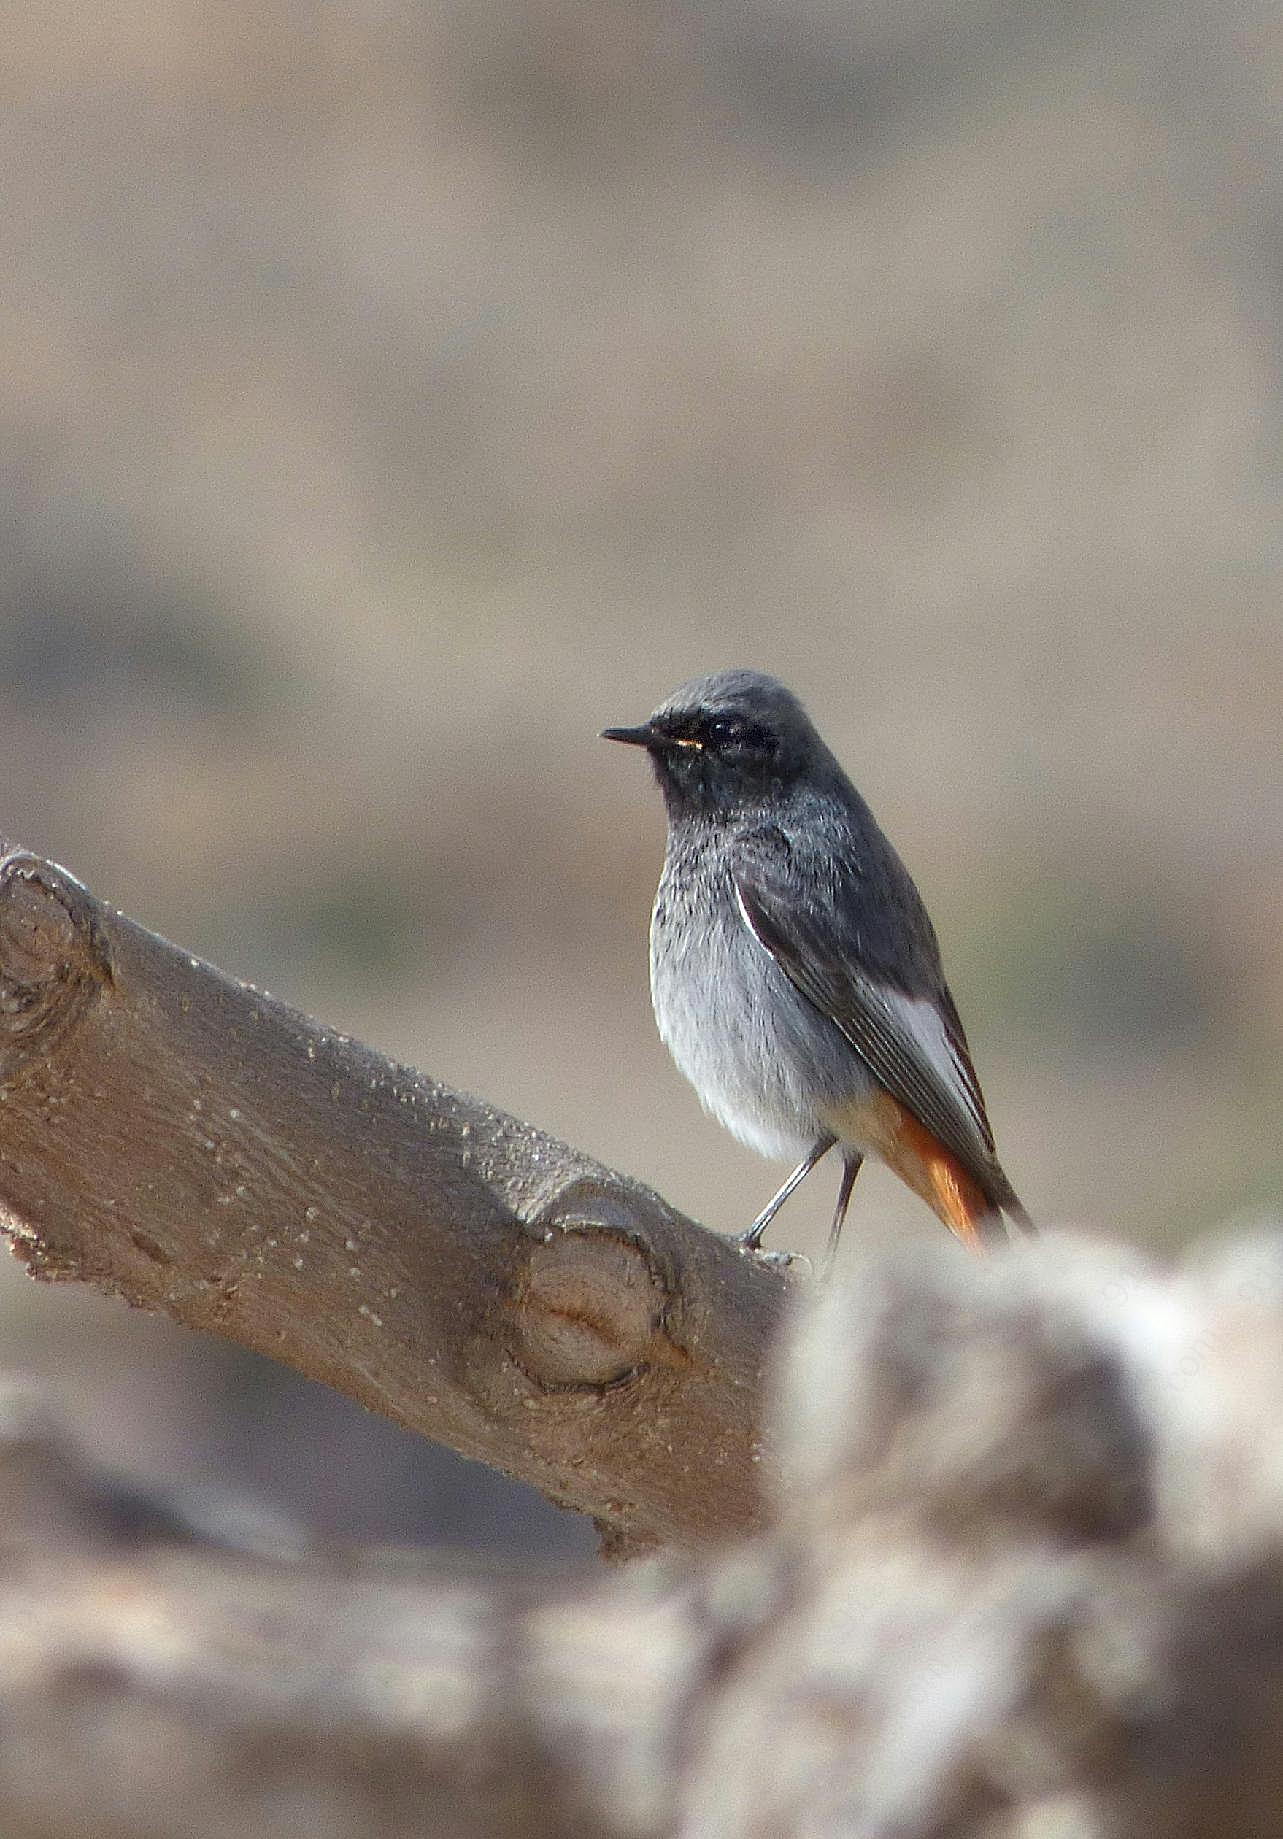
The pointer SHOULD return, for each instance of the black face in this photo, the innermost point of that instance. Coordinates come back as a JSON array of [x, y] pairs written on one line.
[[724, 750]]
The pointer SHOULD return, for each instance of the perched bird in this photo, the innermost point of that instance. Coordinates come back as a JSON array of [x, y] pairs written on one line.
[[794, 971]]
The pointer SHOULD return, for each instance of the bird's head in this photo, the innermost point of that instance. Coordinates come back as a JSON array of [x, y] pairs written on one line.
[[724, 742]]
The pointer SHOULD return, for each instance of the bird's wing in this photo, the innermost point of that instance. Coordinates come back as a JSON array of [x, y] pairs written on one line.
[[912, 1044]]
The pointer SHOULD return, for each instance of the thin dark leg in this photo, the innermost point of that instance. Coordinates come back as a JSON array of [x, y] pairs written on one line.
[[751, 1237], [850, 1169]]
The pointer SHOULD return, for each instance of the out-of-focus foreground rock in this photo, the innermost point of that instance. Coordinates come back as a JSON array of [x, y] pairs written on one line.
[[1025, 1583], [1029, 1577]]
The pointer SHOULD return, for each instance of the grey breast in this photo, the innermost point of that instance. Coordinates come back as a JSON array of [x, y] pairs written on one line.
[[764, 1062]]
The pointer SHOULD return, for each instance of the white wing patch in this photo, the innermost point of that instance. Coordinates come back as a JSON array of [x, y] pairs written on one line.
[[919, 1018], [744, 913], [912, 1032]]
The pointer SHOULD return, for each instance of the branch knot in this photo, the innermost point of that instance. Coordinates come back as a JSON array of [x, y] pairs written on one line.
[[590, 1306], [52, 957]]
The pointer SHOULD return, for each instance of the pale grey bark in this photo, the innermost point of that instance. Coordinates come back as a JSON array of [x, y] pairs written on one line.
[[197, 1147]]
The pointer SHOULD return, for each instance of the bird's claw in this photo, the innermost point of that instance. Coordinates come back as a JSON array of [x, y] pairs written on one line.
[[779, 1260]]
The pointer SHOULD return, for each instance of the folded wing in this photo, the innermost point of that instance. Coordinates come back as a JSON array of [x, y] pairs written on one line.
[[912, 1044]]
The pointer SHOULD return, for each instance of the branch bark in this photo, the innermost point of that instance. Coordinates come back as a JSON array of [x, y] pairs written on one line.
[[150, 1685], [1023, 1578], [197, 1147]]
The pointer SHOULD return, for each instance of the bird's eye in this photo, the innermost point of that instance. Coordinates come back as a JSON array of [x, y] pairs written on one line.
[[732, 734], [725, 731]]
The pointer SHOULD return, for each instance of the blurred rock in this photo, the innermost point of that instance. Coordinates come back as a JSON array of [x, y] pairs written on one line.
[[1026, 1582], [1030, 1571]]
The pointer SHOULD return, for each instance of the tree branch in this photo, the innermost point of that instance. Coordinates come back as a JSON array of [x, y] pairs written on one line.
[[150, 1685], [1023, 1578], [193, 1145]]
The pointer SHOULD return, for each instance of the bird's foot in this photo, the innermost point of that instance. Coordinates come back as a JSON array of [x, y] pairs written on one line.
[[781, 1261]]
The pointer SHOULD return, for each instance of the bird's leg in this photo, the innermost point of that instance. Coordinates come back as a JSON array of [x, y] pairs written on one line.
[[751, 1237], [851, 1167]]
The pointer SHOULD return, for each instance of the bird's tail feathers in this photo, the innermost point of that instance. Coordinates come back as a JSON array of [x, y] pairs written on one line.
[[1004, 1199]]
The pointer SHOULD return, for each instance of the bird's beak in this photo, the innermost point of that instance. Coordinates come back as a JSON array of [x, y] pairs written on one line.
[[644, 736]]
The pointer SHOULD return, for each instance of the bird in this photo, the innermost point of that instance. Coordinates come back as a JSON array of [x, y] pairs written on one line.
[[795, 974]]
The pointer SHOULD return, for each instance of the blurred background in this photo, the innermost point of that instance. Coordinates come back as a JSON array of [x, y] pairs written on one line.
[[392, 395]]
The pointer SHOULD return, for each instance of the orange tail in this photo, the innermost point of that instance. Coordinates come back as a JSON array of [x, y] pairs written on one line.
[[935, 1175]]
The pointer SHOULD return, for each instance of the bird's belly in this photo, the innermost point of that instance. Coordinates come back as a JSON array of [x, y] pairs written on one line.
[[764, 1062]]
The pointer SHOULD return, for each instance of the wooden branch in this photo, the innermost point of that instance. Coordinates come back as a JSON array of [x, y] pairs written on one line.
[[151, 1686], [197, 1147], [1022, 1578]]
